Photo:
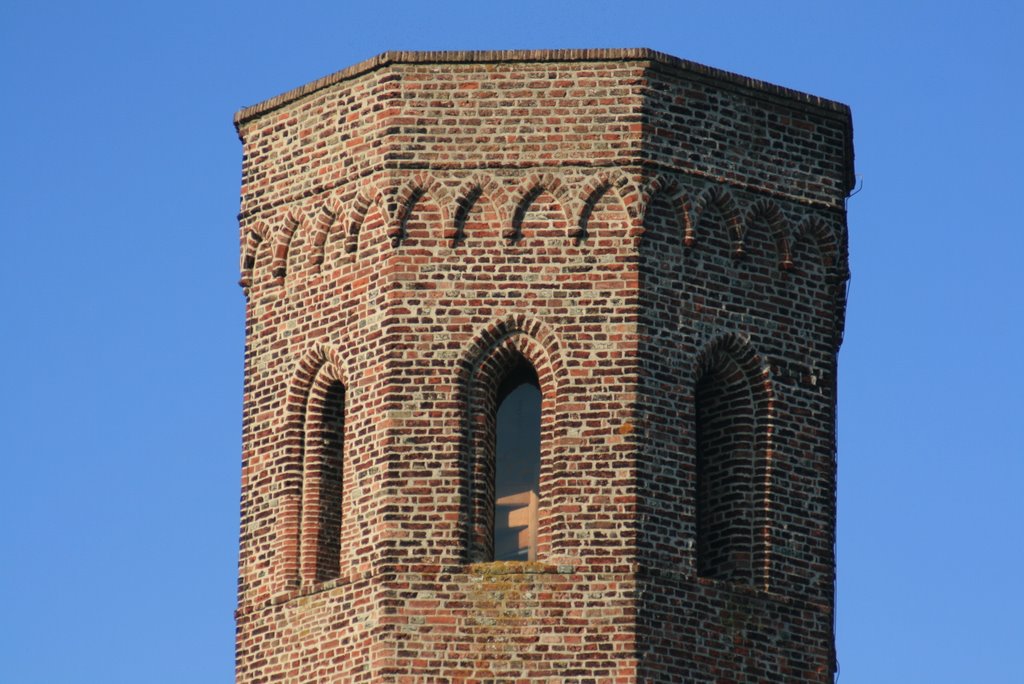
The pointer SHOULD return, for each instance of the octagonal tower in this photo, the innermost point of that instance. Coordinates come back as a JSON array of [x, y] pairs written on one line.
[[658, 249]]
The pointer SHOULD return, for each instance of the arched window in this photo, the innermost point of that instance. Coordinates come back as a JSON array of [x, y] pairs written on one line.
[[725, 471], [517, 464], [323, 496]]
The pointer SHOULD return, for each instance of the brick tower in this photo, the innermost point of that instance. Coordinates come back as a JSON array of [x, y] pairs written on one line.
[[540, 372]]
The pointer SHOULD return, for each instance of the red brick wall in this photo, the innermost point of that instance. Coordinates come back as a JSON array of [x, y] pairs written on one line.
[[622, 220]]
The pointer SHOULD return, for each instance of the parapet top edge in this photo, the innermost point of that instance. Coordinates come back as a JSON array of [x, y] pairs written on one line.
[[570, 55]]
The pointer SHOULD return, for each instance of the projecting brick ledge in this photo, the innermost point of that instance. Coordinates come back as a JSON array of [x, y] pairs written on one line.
[[588, 55]]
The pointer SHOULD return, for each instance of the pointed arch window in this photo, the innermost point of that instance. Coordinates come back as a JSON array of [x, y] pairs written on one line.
[[517, 464]]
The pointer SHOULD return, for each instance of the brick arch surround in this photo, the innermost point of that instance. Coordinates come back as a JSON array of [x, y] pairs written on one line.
[[667, 190], [624, 191], [490, 357], [254, 240], [768, 211], [721, 198], [814, 229], [291, 224], [732, 418], [415, 190], [309, 398], [329, 219], [477, 189], [525, 195], [370, 197]]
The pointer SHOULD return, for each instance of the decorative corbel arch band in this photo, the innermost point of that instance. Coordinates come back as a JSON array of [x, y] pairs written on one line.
[[369, 196], [419, 186], [326, 222], [816, 230], [756, 375], [477, 188], [317, 369], [482, 367], [720, 197], [594, 190], [676, 198], [279, 266], [396, 206], [527, 192], [830, 244], [252, 239], [766, 210]]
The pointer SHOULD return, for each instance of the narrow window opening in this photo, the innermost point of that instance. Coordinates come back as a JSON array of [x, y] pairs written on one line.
[[517, 465], [724, 434], [330, 449]]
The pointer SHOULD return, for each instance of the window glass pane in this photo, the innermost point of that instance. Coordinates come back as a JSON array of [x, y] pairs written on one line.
[[517, 467]]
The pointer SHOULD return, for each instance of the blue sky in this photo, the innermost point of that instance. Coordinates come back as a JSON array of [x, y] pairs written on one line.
[[121, 324]]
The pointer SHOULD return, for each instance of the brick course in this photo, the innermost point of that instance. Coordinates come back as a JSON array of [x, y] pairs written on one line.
[[665, 243]]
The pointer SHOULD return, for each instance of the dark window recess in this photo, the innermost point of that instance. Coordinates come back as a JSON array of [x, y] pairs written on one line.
[[725, 455], [329, 443]]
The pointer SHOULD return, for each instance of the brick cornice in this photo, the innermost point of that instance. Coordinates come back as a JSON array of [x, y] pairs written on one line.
[[577, 55]]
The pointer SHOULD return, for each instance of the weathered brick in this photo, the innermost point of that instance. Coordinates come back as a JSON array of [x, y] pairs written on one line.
[[665, 244]]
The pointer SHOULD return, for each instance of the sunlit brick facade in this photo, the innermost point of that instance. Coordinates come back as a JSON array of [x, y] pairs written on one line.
[[664, 245]]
